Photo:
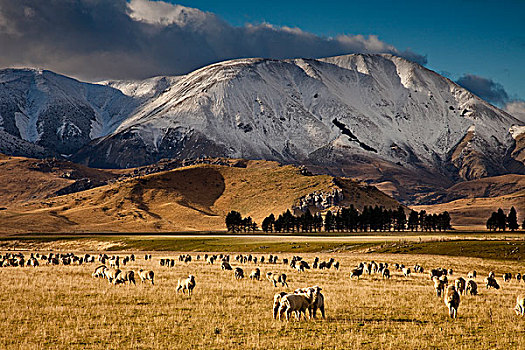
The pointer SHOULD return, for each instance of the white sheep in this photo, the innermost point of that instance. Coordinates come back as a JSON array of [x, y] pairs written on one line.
[[125, 276], [297, 303], [460, 284], [277, 303], [111, 274], [452, 301], [472, 274], [277, 278], [146, 275], [255, 274], [406, 271], [520, 305], [187, 284], [472, 287], [317, 303], [439, 286], [239, 273]]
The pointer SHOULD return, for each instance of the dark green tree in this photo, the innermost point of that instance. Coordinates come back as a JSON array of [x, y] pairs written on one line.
[[512, 220]]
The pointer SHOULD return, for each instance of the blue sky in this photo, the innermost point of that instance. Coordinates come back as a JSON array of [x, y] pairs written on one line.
[[485, 38]]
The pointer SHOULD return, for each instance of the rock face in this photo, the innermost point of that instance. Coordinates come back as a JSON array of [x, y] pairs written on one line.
[[377, 117]]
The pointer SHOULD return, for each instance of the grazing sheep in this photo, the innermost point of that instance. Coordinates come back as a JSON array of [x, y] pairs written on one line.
[[226, 266], [518, 277], [439, 286], [336, 265], [507, 277], [520, 305], [99, 272], [276, 278], [472, 274], [146, 276], [277, 302], [239, 273], [187, 284], [318, 302], [452, 301], [111, 274], [460, 284], [492, 274], [125, 276], [357, 272], [386, 273], [472, 287], [255, 274], [491, 282], [436, 273], [297, 303], [450, 272], [406, 271]]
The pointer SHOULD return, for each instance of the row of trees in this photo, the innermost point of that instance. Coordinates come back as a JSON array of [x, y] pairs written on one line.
[[236, 223], [350, 219], [499, 221]]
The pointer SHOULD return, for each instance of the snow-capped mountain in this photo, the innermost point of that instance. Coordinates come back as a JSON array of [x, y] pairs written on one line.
[[338, 114]]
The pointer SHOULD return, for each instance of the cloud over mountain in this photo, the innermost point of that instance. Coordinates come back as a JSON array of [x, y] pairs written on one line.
[[485, 88], [102, 39]]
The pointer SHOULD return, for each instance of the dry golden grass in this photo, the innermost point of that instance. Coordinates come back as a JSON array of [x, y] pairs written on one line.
[[64, 307]]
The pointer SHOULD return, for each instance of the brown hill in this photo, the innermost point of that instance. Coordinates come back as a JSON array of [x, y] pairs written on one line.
[[191, 198], [472, 213]]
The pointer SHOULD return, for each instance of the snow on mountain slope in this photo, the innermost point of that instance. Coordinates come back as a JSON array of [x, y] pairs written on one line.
[[56, 112], [376, 117], [377, 106]]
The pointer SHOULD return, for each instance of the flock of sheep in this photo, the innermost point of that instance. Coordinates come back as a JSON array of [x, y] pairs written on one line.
[[286, 304]]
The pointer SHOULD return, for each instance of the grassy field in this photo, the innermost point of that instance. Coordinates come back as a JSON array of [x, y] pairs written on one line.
[[64, 307]]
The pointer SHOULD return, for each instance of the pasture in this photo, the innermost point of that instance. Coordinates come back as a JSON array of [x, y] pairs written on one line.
[[65, 307]]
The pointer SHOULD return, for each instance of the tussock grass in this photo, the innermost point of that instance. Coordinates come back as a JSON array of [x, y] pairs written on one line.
[[64, 307]]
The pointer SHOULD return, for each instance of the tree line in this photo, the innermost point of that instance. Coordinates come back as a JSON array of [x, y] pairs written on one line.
[[499, 221], [236, 223], [350, 219]]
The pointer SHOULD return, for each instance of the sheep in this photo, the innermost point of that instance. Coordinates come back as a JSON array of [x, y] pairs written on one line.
[[255, 274], [452, 301], [492, 274], [111, 274], [99, 272], [146, 276], [277, 302], [226, 266], [520, 305], [439, 286], [491, 282], [518, 277], [277, 278], [357, 272], [406, 271], [386, 273], [125, 276], [336, 265], [460, 284], [187, 284], [450, 272], [238, 273], [507, 277], [297, 303], [472, 274], [436, 273], [318, 302], [472, 287], [444, 279]]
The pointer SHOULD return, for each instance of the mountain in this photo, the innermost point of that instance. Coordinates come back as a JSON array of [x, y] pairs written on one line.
[[189, 198], [378, 118]]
